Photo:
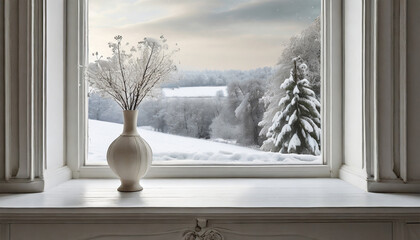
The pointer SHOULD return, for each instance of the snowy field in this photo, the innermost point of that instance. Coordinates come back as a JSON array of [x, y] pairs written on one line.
[[172, 149], [208, 91]]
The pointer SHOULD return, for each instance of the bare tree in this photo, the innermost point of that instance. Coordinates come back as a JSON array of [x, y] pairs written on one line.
[[129, 76]]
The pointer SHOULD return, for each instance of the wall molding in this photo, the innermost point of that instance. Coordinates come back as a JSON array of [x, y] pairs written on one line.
[[2, 93], [384, 140], [398, 50], [402, 48], [395, 186], [370, 89], [5, 231], [22, 186], [22, 153], [234, 227]]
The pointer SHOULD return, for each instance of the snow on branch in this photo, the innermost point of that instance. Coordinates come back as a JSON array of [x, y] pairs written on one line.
[[296, 127], [131, 72]]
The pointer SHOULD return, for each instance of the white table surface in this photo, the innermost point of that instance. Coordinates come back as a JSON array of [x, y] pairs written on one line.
[[211, 195]]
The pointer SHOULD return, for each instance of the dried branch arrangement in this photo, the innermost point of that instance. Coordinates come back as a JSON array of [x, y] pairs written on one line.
[[129, 75]]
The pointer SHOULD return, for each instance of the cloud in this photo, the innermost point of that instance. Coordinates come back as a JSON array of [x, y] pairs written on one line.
[[278, 10], [211, 16], [217, 34]]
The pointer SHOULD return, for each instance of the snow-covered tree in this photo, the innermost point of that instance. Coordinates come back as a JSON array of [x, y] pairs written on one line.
[[306, 45], [241, 112], [103, 108], [296, 128], [98, 106], [152, 113]]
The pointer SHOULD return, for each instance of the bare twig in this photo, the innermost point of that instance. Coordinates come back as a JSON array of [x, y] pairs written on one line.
[[128, 78]]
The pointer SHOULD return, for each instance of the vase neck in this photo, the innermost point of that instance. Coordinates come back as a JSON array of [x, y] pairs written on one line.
[[130, 122]]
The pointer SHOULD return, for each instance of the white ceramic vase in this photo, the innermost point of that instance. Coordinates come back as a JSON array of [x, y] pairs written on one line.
[[129, 156]]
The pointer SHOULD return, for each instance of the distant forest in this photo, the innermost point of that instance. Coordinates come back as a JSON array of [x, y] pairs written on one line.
[[213, 77]]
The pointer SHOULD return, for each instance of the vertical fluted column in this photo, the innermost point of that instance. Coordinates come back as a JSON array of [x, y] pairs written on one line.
[[21, 95]]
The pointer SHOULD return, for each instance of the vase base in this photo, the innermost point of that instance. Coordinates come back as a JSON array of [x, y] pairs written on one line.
[[130, 188]]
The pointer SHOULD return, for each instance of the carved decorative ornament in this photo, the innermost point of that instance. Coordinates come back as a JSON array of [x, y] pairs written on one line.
[[201, 232], [209, 234]]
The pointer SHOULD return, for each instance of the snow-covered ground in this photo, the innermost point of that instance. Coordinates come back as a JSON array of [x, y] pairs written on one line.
[[208, 91], [173, 149]]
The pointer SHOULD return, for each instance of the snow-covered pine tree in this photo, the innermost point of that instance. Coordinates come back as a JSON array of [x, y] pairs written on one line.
[[307, 45], [296, 128]]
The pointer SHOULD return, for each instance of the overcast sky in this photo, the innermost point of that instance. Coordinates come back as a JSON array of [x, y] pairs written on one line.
[[212, 34]]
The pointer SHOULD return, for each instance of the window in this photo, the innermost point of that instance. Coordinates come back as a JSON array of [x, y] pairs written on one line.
[[226, 66]]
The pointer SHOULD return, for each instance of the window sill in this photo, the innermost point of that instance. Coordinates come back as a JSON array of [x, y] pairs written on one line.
[[218, 171], [210, 196]]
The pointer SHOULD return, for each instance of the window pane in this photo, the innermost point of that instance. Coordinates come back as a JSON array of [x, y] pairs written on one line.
[[246, 89]]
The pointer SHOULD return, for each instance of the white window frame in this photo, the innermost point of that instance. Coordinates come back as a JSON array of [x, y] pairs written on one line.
[[331, 98]]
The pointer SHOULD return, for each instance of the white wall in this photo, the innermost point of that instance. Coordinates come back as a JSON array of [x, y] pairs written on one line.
[[352, 87], [55, 70]]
